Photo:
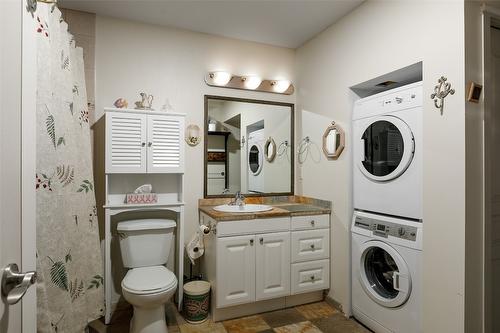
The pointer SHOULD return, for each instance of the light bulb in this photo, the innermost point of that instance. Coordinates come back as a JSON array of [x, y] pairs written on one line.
[[281, 86], [252, 82], [221, 78]]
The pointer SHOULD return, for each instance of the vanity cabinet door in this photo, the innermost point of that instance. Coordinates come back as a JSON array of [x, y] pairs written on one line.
[[272, 265], [165, 144], [235, 270], [125, 143]]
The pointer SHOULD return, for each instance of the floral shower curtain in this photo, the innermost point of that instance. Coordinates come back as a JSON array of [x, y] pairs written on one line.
[[69, 262]]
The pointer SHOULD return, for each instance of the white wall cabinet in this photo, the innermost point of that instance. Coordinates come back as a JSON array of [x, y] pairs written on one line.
[[144, 143]]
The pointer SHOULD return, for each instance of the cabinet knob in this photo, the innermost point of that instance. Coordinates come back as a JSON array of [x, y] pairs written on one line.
[[150, 144], [251, 242], [312, 278], [312, 223], [261, 240], [312, 246], [143, 144]]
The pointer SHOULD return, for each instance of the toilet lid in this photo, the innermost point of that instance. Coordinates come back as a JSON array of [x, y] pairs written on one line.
[[147, 280]]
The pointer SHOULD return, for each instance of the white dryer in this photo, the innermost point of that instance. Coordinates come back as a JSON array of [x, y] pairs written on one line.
[[255, 160], [387, 152], [386, 273]]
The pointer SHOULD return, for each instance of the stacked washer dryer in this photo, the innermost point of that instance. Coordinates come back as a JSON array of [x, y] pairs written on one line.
[[387, 223]]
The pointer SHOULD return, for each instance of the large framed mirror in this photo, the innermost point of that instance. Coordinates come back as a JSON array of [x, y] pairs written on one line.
[[238, 153]]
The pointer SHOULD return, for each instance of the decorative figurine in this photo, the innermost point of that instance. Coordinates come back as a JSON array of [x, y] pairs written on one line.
[[440, 92], [146, 103], [121, 103]]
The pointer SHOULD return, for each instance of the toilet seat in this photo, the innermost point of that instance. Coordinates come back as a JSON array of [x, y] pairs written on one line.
[[149, 280]]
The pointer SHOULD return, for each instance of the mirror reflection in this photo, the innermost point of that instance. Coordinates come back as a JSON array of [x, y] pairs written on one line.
[[240, 147]]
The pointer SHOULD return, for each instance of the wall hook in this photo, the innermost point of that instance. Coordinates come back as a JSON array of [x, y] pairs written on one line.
[[440, 92]]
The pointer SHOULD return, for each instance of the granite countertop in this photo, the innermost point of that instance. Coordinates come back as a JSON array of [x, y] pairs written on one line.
[[282, 206]]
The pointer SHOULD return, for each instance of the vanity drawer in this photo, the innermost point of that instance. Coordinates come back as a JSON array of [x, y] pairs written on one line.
[[256, 226], [310, 222], [310, 276], [310, 245]]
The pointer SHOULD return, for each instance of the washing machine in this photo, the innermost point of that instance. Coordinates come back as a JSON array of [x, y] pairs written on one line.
[[387, 273], [255, 160], [387, 152]]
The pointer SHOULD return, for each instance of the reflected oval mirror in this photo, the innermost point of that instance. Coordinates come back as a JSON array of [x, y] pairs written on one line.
[[333, 141], [270, 149]]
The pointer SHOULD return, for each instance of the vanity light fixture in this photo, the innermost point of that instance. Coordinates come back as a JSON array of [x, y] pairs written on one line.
[[220, 78], [251, 82], [248, 82], [280, 86]]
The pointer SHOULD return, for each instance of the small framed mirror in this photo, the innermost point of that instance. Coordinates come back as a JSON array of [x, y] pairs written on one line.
[[333, 141], [270, 150]]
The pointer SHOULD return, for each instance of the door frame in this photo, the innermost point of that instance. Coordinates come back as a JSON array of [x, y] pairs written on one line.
[[489, 14], [28, 164]]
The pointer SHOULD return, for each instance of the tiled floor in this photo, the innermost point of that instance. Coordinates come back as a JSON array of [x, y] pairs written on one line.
[[310, 318]]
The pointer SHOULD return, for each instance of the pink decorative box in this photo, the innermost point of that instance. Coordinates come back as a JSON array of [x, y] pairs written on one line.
[[141, 198]]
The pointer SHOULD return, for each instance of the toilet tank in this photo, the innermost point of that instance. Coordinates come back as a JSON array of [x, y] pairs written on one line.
[[145, 242]]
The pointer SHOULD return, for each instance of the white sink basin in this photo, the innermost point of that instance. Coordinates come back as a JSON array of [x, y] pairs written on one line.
[[248, 208]]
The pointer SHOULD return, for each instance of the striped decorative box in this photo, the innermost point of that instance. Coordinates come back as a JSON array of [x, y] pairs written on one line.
[[141, 198]]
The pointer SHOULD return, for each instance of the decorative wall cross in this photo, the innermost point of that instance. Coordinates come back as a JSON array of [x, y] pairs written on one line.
[[440, 92]]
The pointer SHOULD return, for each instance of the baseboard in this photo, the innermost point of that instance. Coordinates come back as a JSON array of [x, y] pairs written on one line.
[[335, 304], [265, 306]]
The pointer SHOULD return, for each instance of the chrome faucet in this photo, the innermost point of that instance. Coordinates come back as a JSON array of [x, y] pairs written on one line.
[[239, 199]]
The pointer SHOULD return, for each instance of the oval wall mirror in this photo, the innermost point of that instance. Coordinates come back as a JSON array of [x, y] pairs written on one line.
[[333, 141], [270, 149]]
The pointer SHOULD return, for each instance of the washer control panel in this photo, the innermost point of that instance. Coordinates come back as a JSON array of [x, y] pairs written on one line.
[[385, 229]]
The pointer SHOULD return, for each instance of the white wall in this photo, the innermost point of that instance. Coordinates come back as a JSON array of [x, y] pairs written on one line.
[[168, 63], [376, 38]]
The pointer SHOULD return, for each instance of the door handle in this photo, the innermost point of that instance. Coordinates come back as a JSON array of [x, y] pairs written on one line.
[[15, 284]]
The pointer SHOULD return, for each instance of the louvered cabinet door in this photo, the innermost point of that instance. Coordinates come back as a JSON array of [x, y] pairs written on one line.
[[165, 144], [126, 136]]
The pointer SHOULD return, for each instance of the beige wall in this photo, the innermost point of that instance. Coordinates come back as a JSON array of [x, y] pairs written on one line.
[[169, 63], [376, 38]]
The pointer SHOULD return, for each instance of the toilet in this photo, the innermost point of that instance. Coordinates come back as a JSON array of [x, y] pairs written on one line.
[[148, 285]]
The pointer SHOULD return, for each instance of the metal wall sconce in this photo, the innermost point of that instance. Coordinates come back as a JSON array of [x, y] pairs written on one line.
[[249, 82], [440, 92]]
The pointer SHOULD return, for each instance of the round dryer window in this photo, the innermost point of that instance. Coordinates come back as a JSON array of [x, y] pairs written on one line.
[[255, 158], [384, 274], [387, 148]]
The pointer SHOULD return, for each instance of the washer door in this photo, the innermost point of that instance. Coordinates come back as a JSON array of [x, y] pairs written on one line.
[[255, 159], [384, 274], [387, 147]]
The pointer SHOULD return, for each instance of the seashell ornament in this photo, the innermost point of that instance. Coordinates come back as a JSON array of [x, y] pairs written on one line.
[[121, 103]]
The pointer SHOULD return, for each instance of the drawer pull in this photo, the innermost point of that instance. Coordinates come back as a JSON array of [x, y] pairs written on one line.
[[261, 240], [312, 223], [251, 242], [312, 246]]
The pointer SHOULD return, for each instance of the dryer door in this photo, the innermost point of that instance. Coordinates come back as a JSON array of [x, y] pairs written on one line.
[[384, 274], [255, 159], [386, 148]]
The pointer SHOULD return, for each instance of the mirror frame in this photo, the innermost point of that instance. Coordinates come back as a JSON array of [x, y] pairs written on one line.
[[338, 151], [292, 144], [270, 142]]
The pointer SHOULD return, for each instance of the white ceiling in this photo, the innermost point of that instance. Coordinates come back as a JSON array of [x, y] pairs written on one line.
[[286, 23]]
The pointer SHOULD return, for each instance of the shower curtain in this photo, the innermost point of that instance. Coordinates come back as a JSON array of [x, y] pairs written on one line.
[[69, 262]]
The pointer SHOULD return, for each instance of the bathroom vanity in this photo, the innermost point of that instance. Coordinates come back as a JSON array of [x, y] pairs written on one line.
[[269, 260]]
